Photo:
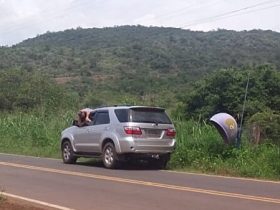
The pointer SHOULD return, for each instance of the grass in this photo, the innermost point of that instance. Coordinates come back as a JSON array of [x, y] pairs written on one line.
[[2, 198], [199, 146], [35, 134]]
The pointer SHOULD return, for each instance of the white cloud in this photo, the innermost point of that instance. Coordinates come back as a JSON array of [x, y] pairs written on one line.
[[148, 19], [21, 19]]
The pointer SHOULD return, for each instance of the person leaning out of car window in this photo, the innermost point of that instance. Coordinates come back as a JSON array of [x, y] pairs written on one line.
[[83, 118]]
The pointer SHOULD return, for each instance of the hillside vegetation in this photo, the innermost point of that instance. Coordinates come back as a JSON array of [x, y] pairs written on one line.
[[45, 80], [140, 60], [136, 48]]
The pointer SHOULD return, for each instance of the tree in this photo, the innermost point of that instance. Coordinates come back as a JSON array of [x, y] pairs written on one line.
[[223, 91], [27, 90]]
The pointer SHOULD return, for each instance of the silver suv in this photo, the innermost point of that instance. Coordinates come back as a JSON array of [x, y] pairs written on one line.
[[120, 133]]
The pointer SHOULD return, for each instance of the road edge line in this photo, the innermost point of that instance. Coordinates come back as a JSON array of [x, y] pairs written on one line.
[[30, 156], [30, 200]]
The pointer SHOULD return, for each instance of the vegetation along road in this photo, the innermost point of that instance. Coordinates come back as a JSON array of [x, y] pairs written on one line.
[[45, 80], [89, 186]]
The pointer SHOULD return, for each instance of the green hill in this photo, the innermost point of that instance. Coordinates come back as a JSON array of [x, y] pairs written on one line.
[[141, 61], [132, 48]]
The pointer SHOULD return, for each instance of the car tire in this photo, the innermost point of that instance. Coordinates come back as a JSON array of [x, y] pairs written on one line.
[[67, 152], [109, 156]]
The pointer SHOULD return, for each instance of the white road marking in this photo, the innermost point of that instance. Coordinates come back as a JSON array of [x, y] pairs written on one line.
[[29, 156], [42, 203]]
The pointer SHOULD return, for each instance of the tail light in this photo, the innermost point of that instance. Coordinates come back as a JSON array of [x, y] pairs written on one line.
[[170, 132], [133, 130]]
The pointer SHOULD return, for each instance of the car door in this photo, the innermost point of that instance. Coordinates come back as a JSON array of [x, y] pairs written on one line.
[[99, 125], [80, 138]]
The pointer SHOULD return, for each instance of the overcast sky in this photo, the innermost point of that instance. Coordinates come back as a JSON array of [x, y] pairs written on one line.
[[22, 19]]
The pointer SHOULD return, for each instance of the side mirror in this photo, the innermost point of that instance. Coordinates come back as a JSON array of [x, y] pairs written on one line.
[[75, 122]]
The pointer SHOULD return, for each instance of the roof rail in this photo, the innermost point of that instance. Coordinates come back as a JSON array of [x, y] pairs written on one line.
[[115, 105]]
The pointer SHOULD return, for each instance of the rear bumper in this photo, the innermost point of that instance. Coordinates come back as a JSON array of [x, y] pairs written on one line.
[[150, 146]]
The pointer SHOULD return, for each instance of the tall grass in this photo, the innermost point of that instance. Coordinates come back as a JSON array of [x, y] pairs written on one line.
[[199, 146], [2, 198], [35, 133]]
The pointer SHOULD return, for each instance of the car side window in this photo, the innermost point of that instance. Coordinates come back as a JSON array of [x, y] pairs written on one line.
[[92, 116], [101, 117], [122, 115]]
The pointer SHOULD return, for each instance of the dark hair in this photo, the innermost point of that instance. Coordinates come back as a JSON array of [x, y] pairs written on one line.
[[82, 115]]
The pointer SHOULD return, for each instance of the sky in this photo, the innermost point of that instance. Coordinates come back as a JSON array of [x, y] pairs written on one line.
[[23, 19]]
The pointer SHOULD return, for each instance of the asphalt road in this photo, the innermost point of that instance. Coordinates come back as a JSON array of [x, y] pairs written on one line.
[[88, 186]]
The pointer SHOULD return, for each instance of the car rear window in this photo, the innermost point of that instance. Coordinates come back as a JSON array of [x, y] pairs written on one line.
[[143, 115]]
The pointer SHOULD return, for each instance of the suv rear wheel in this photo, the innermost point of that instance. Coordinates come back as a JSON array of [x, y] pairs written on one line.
[[68, 153], [109, 156], [161, 163]]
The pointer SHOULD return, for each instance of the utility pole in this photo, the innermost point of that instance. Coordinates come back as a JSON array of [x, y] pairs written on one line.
[[239, 132]]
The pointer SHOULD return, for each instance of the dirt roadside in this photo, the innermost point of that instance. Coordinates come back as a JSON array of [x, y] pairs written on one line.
[[15, 204]]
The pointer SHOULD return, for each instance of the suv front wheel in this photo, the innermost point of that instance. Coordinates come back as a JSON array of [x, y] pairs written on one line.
[[68, 153], [109, 156]]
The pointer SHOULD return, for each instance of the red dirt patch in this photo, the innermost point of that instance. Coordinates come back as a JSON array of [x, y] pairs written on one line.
[[12, 204]]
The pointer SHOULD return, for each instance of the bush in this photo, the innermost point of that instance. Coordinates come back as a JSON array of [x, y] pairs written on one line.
[[200, 148], [265, 126]]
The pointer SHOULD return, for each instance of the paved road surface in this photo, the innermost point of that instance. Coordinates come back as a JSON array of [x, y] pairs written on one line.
[[88, 186]]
